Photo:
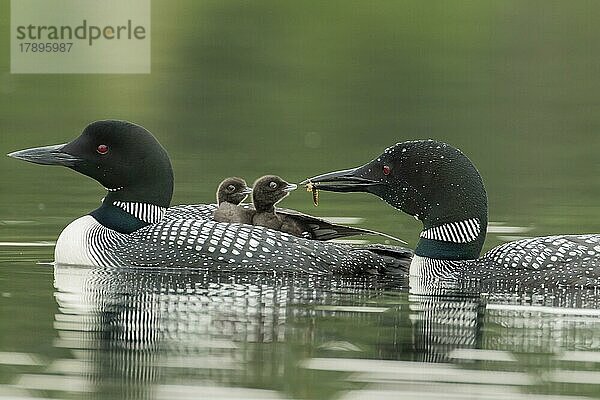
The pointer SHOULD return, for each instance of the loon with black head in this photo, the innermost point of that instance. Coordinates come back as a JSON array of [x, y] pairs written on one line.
[[438, 185], [230, 193], [132, 227]]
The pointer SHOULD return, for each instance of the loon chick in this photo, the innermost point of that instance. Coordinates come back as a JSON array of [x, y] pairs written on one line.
[[437, 184], [131, 229], [230, 193], [266, 192]]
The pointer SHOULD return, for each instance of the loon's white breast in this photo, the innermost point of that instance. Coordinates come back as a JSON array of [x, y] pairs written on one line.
[[74, 245]]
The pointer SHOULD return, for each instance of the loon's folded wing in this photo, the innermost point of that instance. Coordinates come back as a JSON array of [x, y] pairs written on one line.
[[321, 229], [397, 258]]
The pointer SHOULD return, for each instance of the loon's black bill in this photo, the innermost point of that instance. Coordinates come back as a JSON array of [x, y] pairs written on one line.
[[290, 187], [247, 190], [47, 155], [347, 180]]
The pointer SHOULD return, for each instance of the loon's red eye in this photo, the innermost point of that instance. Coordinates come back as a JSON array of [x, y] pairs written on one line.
[[102, 149], [386, 170]]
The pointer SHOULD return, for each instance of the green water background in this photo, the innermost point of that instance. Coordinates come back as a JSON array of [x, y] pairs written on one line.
[[299, 88]]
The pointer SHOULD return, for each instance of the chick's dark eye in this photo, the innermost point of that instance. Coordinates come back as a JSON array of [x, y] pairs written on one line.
[[386, 170], [102, 149], [231, 188], [273, 185]]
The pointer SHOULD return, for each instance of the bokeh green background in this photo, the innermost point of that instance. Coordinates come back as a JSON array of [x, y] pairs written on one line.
[[298, 88]]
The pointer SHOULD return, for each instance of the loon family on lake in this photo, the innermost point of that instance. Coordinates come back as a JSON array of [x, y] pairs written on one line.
[[433, 181], [135, 227], [437, 184]]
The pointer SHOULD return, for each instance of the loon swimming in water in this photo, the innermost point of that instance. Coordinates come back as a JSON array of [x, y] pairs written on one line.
[[132, 227], [230, 193], [437, 184]]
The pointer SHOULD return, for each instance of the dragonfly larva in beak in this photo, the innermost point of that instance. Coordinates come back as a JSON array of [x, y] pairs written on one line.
[[315, 193]]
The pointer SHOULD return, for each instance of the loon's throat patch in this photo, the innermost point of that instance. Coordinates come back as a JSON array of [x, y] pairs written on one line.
[[456, 232], [149, 213]]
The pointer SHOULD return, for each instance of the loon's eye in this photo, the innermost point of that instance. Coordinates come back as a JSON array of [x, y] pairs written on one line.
[[102, 149], [386, 170], [231, 188], [273, 185]]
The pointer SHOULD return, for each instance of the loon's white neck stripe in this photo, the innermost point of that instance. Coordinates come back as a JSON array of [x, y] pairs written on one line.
[[149, 213], [456, 232]]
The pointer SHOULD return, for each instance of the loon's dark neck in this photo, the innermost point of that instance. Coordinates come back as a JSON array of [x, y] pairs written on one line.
[[117, 219], [458, 238], [448, 250], [128, 209]]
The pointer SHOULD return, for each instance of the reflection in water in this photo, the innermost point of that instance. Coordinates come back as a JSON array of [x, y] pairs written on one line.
[[166, 334], [135, 330]]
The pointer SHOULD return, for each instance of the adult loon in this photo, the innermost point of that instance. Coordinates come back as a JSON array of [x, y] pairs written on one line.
[[230, 193], [131, 228], [437, 184]]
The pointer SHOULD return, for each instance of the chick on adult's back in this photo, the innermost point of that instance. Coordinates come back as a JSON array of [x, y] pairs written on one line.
[[231, 192], [268, 191]]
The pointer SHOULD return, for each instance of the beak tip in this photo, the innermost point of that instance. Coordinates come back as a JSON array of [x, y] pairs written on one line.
[[290, 187], [14, 154]]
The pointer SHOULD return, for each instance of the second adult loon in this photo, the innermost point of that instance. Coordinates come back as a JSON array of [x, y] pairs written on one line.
[[440, 186], [128, 229]]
